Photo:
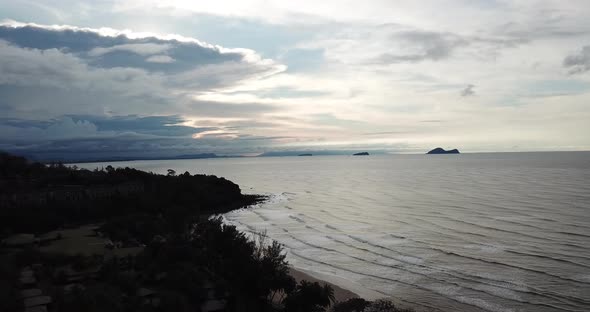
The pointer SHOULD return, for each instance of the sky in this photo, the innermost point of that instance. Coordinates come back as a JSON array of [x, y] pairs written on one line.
[[99, 79]]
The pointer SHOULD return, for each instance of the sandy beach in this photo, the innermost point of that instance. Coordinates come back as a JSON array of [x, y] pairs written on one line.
[[340, 293]]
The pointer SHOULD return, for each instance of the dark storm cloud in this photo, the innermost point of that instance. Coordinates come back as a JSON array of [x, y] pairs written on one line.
[[79, 92], [167, 126], [578, 62], [89, 65], [97, 127], [22, 123], [88, 137], [135, 147], [149, 53]]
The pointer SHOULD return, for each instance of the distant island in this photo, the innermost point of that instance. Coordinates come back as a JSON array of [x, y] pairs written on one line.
[[361, 154], [315, 153], [305, 152], [305, 155], [439, 150]]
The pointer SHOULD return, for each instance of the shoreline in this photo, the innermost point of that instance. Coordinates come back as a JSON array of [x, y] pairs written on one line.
[[340, 294], [343, 289]]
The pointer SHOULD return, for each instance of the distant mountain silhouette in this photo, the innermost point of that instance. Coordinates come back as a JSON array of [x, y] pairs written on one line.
[[137, 157], [195, 156], [439, 150], [361, 154]]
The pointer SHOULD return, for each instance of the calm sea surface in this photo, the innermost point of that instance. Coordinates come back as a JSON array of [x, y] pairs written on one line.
[[469, 232]]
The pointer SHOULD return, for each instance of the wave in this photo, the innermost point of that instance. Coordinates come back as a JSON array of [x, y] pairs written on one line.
[[415, 261], [468, 235]]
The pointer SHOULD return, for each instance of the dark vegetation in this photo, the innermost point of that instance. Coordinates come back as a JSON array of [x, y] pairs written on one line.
[[183, 258], [362, 305], [37, 198]]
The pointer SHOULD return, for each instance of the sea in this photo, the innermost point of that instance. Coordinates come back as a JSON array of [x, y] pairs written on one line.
[[467, 232]]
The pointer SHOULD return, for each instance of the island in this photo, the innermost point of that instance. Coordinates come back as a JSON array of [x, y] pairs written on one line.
[[305, 155], [361, 154], [439, 150]]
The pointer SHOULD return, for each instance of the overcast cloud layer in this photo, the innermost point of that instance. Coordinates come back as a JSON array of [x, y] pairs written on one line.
[[108, 79]]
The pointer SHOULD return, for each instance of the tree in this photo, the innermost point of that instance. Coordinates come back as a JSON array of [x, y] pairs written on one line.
[[9, 287], [310, 297], [351, 305], [383, 305], [171, 172]]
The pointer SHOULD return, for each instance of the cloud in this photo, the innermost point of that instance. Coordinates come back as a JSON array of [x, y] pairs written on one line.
[[119, 71], [468, 91], [75, 138], [578, 62], [167, 126], [117, 135], [67, 89], [160, 59], [54, 68], [417, 46], [393, 44], [109, 48], [459, 14], [68, 128], [137, 48], [17, 130]]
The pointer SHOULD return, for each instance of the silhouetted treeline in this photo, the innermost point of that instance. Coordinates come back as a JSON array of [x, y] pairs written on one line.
[[36, 198], [362, 305]]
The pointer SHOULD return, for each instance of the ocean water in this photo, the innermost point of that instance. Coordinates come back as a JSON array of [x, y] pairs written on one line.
[[469, 232]]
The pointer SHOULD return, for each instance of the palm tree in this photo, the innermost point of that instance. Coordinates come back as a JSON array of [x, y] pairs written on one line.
[[328, 293]]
